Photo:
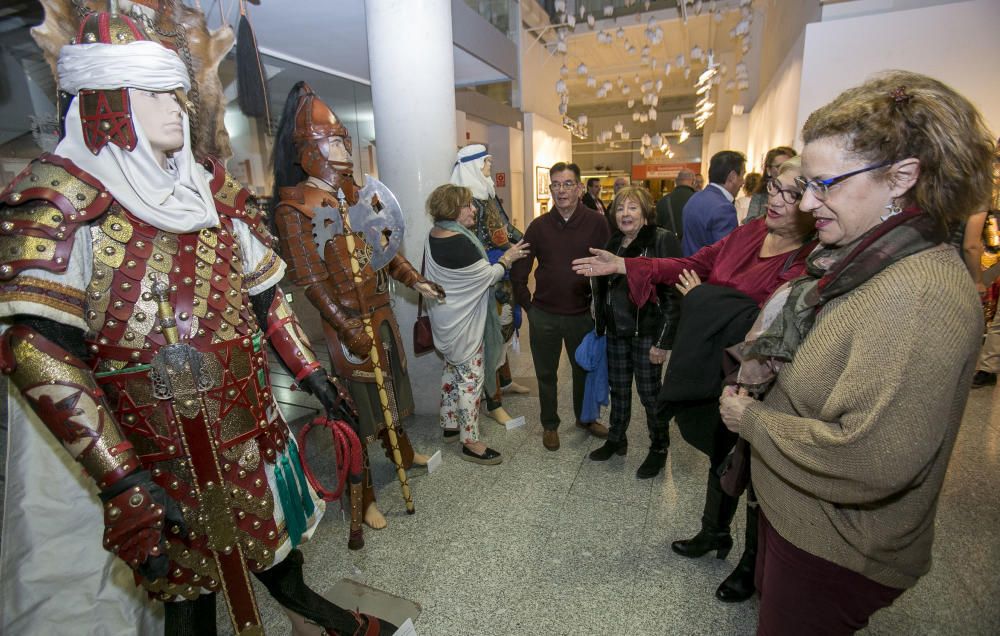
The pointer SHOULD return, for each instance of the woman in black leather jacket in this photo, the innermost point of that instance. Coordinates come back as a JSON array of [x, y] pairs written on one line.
[[638, 340]]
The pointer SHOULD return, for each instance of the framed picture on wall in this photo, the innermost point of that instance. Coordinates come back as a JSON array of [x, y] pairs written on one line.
[[542, 181]]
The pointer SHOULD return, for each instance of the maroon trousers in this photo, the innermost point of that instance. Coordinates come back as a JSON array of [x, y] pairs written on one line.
[[801, 593]]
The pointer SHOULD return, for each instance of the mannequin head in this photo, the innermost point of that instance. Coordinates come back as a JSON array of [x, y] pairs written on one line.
[[473, 169], [323, 143]]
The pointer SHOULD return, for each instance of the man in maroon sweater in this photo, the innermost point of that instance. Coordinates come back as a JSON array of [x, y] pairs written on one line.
[[559, 312]]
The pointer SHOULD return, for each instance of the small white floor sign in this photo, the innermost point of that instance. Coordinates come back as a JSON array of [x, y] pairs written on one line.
[[432, 464], [407, 628], [515, 422]]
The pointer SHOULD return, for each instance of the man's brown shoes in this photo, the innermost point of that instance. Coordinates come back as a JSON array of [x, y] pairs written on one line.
[[550, 440], [596, 428]]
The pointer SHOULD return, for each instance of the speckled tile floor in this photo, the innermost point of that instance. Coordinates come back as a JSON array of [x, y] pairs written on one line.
[[552, 543]]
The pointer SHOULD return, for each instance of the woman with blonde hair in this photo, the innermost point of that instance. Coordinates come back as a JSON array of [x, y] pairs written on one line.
[[465, 325], [879, 342]]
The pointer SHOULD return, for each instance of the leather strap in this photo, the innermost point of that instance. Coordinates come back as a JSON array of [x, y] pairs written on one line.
[[420, 297]]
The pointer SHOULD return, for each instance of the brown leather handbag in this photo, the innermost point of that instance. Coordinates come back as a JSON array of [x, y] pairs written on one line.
[[423, 337]]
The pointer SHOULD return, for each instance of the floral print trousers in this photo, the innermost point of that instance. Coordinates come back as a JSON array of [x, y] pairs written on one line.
[[461, 392]]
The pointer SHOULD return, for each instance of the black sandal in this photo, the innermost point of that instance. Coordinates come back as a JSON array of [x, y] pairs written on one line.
[[489, 457]]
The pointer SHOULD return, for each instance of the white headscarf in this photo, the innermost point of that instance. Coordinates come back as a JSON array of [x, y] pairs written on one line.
[[176, 199], [468, 172]]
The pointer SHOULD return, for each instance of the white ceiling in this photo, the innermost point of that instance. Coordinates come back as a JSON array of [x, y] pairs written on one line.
[[612, 61], [329, 36]]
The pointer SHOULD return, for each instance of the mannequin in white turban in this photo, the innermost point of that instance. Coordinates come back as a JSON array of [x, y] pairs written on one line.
[[472, 169]]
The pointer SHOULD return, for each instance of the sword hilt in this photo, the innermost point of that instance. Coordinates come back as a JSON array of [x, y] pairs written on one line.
[[164, 312]]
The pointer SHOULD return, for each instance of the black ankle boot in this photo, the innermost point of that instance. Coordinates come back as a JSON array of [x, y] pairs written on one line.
[[610, 448], [739, 585], [653, 464], [703, 542]]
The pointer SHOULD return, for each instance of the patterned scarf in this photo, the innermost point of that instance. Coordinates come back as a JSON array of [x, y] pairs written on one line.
[[835, 271]]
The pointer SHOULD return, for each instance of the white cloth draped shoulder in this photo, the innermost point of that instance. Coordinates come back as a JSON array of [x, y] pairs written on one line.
[[459, 321]]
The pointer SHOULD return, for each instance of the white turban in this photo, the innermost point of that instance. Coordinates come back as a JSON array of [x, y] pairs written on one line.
[[143, 64], [468, 172]]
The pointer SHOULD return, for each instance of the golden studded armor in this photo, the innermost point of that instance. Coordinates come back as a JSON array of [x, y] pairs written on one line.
[[224, 416]]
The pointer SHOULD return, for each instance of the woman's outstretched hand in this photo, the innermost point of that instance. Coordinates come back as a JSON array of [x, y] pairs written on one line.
[[516, 252], [602, 263]]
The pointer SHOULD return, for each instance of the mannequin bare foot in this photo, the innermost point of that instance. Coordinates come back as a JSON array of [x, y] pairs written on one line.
[[420, 459], [476, 447], [500, 415], [373, 518], [515, 388]]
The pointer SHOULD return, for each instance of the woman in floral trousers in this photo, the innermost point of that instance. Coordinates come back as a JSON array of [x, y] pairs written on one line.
[[466, 328]]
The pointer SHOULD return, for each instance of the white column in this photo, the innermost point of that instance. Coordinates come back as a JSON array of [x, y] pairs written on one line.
[[411, 60]]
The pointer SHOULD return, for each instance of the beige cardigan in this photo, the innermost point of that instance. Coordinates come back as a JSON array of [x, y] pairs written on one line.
[[851, 445]]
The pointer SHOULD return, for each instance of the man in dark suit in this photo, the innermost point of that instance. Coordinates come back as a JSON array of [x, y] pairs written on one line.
[[592, 199], [670, 207], [710, 214]]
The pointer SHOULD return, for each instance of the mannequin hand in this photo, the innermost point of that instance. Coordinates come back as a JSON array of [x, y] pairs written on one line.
[[332, 395], [687, 281], [430, 291], [602, 263], [357, 340], [135, 513]]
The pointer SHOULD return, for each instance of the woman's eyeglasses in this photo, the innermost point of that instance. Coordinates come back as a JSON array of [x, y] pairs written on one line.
[[821, 187], [788, 196]]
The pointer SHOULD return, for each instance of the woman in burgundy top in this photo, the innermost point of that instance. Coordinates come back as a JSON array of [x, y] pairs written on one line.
[[740, 272]]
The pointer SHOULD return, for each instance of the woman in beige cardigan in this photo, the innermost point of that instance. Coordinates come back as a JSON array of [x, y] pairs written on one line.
[[879, 340]]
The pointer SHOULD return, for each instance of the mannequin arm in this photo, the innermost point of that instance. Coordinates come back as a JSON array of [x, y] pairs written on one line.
[[306, 269]]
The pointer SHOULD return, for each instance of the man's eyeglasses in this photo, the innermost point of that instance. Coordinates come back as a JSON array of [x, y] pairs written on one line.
[[565, 185], [788, 196], [821, 187]]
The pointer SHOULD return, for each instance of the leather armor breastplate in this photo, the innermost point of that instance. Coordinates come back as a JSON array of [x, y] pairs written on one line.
[[237, 413]]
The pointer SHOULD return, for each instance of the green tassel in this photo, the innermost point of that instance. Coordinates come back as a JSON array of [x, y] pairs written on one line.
[[307, 502], [289, 508], [299, 514]]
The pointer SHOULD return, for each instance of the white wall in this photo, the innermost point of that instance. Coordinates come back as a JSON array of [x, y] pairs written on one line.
[[955, 42], [539, 74], [774, 118], [545, 142], [951, 41], [519, 215], [474, 133]]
